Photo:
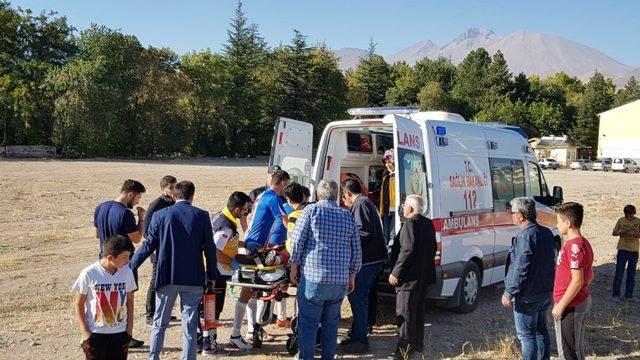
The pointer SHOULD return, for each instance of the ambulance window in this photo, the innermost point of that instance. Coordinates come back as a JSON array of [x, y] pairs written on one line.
[[414, 176], [361, 143], [538, 184], [383, 143], [507, 181]]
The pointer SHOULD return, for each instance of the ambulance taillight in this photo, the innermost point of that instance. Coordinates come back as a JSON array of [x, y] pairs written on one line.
[[438, 258]]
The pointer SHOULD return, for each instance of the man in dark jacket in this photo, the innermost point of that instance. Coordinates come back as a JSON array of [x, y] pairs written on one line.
[[528, 285], [374, 253], [415, 250], [181, 234], [165, 199]]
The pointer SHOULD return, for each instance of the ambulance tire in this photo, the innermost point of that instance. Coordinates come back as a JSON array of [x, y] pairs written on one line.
[[470, 285]]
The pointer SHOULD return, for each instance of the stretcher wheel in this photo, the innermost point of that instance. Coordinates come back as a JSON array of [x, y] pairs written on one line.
[[292, 344], [257, 336]]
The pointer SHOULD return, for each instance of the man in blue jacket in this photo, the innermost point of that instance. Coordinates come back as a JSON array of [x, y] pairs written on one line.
[[528, 285], [180, 234]]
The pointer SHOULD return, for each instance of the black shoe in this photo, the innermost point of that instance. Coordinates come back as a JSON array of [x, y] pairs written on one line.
[[133, 343], [354, 347]]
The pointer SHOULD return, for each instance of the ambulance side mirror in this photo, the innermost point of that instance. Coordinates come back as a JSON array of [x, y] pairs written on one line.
[[558, 196]]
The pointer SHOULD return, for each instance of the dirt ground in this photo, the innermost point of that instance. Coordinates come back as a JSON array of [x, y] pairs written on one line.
[[46, 238]]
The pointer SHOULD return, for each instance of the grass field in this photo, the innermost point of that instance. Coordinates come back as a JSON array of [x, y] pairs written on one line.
[[46, 238]]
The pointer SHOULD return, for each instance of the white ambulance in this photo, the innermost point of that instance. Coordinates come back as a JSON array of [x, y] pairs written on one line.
[[466, 172]]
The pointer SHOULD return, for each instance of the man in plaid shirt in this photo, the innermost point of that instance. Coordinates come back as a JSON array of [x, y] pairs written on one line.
[[325, 258]]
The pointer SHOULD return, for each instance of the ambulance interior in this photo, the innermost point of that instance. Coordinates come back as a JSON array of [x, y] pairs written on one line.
[[358, 152]]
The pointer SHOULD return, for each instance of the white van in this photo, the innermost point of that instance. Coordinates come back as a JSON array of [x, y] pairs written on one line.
[[466, 172]]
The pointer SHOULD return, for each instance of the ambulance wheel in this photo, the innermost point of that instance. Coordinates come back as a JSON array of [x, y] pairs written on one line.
[[257, 336], [469, 288], [292, 344]]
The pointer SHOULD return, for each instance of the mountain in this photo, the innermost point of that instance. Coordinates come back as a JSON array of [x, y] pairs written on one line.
[[531, 53], [349, 57], [415, 53]]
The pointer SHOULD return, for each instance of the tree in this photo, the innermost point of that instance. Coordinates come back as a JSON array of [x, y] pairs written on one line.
[[434, 97], [470, 81], [161, 120], [93, 95], [597, 98], [30, 46], [631, 92], [498, 78], [289, 89], [373, 77], [405, 87], [208, 83], [242, 113]]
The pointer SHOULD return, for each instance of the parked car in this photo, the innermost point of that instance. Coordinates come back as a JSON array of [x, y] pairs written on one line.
[[548, 163], [603, 164], [582, 164], [625, 165]]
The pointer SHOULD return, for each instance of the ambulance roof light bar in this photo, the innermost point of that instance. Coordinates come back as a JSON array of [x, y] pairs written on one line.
[[386, 110]]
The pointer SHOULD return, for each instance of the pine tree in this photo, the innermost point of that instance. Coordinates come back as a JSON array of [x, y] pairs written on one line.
[[470, 84], [631, 92], [373, 76], [245, 53], [597, 99]]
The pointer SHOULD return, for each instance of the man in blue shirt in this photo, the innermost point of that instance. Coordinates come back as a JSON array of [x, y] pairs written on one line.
[[326, 255], [268, 211], [268, 224], [114, 217]]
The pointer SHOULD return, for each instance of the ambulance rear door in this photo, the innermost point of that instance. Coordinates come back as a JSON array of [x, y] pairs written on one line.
[[292, 148], [411, 170]]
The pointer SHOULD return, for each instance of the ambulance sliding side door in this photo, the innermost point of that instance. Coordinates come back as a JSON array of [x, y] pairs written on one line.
[[292, 149]]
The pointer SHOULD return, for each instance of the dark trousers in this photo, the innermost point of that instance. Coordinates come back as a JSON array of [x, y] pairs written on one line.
[[359, 301], [629, 260], [151, 293], [106, 346], [410, 318], [570, 331], [373, 302]]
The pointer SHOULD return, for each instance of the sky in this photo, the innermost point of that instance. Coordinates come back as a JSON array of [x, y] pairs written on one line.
[[393, 25]]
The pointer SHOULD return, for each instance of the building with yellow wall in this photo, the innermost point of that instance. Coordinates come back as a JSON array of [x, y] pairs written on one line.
[[619, 133]]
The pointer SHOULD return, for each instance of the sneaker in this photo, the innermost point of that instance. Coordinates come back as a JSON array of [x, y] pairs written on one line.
[[631, 300], [215, 350], [283, 323], [133, 343], [616, 300], [265, 336], [240, 343]]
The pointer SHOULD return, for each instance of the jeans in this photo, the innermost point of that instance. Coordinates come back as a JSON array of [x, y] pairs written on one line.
[[359, 300], [531, 327], [319, 304], [628, 259], [190, 297]]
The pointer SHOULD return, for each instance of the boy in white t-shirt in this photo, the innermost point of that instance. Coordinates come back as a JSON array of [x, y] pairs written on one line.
[[104, 302]]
